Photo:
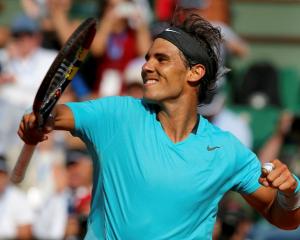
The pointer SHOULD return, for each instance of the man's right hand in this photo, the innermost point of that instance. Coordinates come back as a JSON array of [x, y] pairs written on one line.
[[30, 132]]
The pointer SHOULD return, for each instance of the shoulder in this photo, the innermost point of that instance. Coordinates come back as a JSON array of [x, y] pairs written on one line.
[[217, 136], [112, 100], [115, 106], [119, 101], [212, 131]]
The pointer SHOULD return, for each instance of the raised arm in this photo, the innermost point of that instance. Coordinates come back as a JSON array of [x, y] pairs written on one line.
[[59, 17], [278, 200], [113, 21], [273, 146]]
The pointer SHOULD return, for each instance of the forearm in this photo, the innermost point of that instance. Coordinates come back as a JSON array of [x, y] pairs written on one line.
[[63, 26], [283, 218], [238, 48], [101, 38], [274, 145], [143, 38], [278, 200], [59, 16], [285, 209]]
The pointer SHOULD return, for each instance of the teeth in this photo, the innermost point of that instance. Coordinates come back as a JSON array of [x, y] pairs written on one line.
[[150, 81]]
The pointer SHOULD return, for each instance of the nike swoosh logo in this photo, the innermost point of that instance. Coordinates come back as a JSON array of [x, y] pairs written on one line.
[[212, 148], [171, 30]]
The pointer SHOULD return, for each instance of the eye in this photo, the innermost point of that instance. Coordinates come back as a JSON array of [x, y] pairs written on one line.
[[162, 59]]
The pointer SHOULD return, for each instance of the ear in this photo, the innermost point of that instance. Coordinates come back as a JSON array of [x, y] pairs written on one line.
[[196, 73]]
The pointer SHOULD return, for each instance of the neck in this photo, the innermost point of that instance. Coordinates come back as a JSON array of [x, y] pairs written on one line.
[[178, 119]]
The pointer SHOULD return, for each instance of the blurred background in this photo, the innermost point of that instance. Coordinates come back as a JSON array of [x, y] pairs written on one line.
[[258, 99]]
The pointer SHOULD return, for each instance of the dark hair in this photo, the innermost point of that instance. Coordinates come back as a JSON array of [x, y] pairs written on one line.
[[210, 37], [73, 155]]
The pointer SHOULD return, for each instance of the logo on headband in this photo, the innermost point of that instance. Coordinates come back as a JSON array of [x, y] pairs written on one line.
[[171, 30]]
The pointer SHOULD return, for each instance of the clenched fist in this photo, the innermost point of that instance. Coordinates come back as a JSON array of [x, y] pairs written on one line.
[[280, 178], [30, 132]]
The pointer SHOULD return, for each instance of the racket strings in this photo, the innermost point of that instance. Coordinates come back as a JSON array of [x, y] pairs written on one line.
[[58, 83], [56, 87], [64, 68]]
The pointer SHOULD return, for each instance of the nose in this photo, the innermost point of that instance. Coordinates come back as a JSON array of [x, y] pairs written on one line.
[[148, 66]]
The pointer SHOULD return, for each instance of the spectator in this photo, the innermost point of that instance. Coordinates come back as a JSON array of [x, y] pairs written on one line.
[[79, 182], [24, 64], [274, 144], [16, 216], [123, 34], [164, 9], [54, 17], [4, 32], [63, 214], [260, 86], [234, 220], [133, 78], [52, 211], [284, 143], [262, 230]]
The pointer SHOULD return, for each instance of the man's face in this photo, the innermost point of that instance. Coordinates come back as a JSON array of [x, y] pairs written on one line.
[[164, 73], [79, 173], [25, 43]]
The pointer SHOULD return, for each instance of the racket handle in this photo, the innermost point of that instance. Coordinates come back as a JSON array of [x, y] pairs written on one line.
[[267, 168], [19, 170]]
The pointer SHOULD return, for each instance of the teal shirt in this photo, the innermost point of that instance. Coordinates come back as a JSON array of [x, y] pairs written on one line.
[[147, 187]]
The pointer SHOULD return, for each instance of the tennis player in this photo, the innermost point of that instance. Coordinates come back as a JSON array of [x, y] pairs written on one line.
[[160, 169]]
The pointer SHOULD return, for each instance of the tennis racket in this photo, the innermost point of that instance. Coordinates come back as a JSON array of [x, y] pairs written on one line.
[[59, 75]]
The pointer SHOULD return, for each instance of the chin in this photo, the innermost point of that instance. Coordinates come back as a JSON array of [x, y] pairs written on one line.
[[150, 99], [152, 96]]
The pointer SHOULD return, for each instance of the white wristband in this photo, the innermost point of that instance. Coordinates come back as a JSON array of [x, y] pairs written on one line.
[[289, 203]]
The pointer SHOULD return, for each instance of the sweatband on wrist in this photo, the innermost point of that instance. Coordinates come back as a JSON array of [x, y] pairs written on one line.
[[290, 203], [297, 190]]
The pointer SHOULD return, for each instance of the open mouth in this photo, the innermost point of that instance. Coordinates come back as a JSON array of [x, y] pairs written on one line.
[[149, 82]]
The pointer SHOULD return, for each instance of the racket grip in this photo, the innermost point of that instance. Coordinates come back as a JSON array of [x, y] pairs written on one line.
[[267, 168], [19, 170]]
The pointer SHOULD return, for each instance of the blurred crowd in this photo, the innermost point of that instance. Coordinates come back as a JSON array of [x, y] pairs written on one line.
[[53, 200]]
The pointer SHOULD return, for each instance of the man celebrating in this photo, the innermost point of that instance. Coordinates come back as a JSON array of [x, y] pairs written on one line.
[[160, 169]]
